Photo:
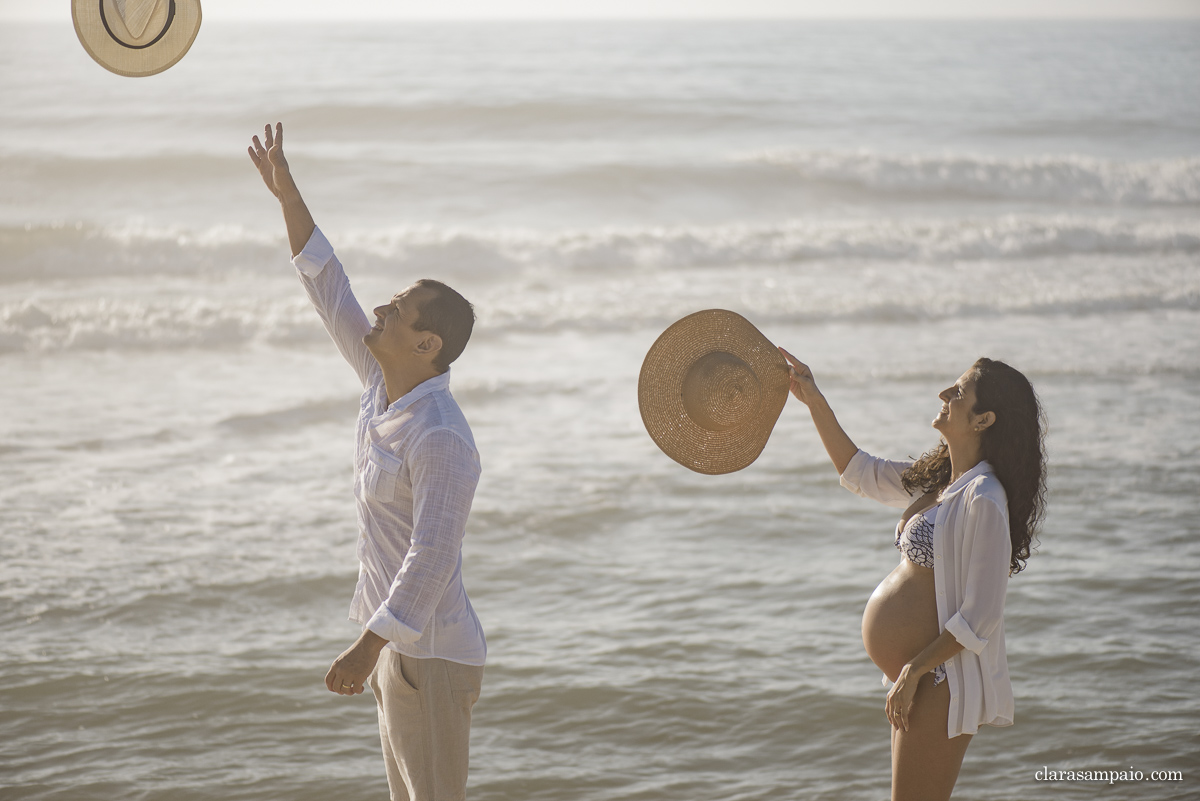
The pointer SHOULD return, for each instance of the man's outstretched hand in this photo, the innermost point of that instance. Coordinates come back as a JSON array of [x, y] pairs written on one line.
[[271, 163], [273, 167]]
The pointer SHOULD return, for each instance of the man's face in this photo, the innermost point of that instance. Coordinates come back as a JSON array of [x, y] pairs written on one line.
[[393, 336]]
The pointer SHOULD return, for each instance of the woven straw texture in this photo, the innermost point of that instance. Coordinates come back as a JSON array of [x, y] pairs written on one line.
[[710, 391], [136, 38]]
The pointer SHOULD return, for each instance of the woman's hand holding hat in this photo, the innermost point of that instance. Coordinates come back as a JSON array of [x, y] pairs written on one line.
[[802, 384]]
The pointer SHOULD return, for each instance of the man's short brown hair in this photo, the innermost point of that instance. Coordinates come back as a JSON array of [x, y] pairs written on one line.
[[448, 314]]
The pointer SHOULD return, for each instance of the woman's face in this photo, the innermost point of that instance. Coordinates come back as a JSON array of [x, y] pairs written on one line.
[[957, 419]]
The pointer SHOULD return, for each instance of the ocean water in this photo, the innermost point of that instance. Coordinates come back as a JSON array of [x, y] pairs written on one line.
[[888, 201]]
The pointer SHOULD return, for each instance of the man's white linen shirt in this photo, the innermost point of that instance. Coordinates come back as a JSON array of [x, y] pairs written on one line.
[[415, 473], [971, 549]]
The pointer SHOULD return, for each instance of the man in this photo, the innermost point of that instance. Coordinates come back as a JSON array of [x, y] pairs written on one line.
[[416, 469]]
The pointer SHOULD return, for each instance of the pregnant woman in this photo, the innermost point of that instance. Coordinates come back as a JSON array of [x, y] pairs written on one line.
[[935, 625]]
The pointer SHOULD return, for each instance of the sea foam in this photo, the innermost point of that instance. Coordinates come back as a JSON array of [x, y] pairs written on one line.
[[84, 251], [1067, 178]]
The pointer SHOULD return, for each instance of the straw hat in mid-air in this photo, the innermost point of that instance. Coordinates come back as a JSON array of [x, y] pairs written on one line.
[[136, 37], [710, 391]]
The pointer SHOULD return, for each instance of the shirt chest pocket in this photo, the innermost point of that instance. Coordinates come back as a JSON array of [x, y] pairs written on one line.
[[382, 472]]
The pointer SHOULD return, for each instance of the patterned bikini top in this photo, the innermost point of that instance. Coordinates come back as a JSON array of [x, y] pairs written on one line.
[[915, 540]]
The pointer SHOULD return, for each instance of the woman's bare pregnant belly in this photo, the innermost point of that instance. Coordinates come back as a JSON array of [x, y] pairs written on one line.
[[900, 618]]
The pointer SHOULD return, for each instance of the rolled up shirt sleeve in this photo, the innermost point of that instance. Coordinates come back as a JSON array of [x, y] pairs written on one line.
[[445, 472], [985, 581], [329, 290], [877, 479], [316, 254]]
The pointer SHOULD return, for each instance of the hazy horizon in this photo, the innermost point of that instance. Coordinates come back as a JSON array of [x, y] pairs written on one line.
[[453, 10]]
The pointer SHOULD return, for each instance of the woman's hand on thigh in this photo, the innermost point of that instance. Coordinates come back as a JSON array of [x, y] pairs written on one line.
[[900, 698]]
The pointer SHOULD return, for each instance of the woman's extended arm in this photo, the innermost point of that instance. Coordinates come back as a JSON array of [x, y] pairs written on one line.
[[838, 445]]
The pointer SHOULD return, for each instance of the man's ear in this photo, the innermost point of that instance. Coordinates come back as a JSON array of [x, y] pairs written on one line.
[[429, 345], [985, 420]]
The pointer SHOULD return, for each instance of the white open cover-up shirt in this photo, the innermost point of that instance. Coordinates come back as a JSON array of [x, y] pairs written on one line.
[[415, 473], [971, 550]]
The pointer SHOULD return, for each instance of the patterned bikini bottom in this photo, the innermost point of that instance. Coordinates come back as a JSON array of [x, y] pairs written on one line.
[[939, 675]]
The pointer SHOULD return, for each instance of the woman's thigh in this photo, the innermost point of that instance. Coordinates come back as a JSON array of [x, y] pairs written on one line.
[[925, 762]]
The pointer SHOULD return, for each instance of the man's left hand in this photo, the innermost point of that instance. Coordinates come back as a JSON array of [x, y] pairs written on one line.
[[349, 672]]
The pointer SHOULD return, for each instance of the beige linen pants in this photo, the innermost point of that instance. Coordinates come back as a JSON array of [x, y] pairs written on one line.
[[425, 724]]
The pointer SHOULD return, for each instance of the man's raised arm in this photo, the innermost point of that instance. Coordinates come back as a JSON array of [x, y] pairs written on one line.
[[320, 271]]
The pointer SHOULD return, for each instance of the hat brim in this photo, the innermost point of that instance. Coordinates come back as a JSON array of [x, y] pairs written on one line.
[[161, 51], [660, 396]]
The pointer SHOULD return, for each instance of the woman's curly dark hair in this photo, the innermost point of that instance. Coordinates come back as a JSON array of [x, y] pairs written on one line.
[[1014, 445]]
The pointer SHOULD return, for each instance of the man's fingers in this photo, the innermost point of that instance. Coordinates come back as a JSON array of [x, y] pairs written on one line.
[[341, 679], [337, 682], [254, 157], [279, 134], [331, 678], [268, 136]]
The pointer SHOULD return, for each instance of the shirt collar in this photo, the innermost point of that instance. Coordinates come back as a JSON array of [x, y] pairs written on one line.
[[435, 384], [978, 470]]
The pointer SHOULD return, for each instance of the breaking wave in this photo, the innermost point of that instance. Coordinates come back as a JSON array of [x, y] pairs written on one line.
[[238, 312], [1069, 178], [34, 253]]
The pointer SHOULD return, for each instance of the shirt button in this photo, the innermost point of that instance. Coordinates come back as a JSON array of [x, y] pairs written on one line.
[[941, 593]]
